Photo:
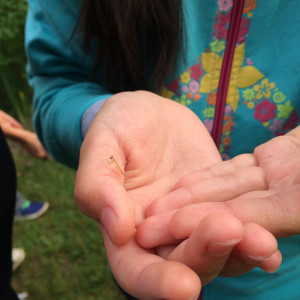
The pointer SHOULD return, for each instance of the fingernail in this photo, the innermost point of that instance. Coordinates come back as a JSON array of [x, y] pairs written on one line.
[[221, 248], [253, 260], [109, 221]]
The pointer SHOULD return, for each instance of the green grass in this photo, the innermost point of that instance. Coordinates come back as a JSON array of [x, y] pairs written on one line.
[[65, 257]]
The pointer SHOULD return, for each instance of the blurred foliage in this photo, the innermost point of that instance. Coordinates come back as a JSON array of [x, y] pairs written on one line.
[[12, 20], [15, 96]]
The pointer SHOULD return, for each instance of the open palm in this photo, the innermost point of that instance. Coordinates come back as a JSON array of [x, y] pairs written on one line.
[[154, 142]]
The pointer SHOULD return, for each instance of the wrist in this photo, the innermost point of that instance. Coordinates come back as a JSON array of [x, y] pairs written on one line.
[[89, 115]]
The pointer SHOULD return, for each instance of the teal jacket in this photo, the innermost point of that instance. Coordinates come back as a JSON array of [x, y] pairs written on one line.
[[256, 94]]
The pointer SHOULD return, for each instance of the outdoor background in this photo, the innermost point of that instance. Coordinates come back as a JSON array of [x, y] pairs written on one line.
[[65, 258]]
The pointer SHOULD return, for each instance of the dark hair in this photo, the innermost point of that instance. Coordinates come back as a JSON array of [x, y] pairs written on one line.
[[137, 40]]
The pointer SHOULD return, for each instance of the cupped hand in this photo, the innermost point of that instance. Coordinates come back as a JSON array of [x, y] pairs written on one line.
[[138, 146], [261, 187], [220, 244], [274, 209], [154, 141]]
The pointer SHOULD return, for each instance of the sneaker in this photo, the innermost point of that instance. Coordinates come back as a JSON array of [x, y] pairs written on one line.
[[26, 209], [18, 255], [23, 296]]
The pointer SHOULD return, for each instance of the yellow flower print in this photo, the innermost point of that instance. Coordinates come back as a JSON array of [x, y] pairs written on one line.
[[250, 105], [264, 89], [185, 77], [209, 112], [240, 77], [211, 64], [167, 93]]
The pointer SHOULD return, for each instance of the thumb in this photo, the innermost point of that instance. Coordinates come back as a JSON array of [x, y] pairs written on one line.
[[104, 199], [99, 191]]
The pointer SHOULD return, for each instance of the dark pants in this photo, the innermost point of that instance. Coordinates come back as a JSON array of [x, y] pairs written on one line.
[[7, 205]]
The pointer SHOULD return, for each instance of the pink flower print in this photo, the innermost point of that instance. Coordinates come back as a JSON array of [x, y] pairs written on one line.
[[185, 88], [228, 110], [225, 156], [249, 61], [244, 29], [174, 85], [265, 111], [276, 126], [208, 123], [196, 72], [194, 87], [221, 26], [225, 5]]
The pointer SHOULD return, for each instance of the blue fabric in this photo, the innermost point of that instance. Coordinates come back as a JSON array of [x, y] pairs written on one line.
[[59, 72], [263, 100]]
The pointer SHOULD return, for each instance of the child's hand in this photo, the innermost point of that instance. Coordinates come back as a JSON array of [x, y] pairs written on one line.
[[268, 177], [7, 121], [155, 141], [34, 147]]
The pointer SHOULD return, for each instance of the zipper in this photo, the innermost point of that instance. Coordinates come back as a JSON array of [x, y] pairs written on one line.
[[232, 35]]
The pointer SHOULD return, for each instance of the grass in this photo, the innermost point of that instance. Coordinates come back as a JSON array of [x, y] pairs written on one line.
[[65, 257]]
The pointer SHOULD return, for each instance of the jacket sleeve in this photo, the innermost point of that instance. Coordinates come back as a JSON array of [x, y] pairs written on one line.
[[59, 72]]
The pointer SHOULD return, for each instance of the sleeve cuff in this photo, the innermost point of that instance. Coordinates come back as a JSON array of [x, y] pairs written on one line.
[[89, 115]]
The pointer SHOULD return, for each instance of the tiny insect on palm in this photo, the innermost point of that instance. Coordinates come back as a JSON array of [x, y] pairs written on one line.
[[111, 160]]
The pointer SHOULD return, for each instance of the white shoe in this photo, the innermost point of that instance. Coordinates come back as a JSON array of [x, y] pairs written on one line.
[[18, 255], [23, 296]]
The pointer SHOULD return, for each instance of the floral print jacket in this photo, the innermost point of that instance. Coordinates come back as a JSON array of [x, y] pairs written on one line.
[[262, 96]]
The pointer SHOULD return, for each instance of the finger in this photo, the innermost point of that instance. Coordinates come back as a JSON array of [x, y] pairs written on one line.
[[145, 275], [172, 226], [257, 248], [219, 169], [155, 231], [272, 264], [276, 211], [207, 249], [99, 190], [221, 188], [11, 120]]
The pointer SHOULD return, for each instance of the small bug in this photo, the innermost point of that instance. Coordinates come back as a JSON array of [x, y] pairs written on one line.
[[111, 160]]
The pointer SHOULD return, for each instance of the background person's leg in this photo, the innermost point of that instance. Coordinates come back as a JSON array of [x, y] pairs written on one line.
[[7, 205]]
